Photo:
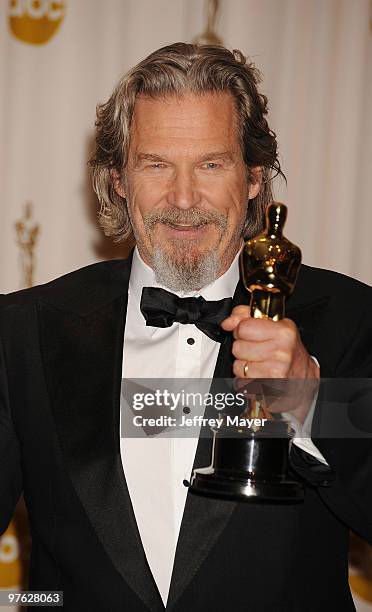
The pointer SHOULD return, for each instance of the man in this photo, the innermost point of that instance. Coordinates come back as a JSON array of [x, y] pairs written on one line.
[[183, 160]]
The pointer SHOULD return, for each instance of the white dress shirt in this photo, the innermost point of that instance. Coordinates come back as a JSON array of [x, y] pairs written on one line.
[[155, 467]]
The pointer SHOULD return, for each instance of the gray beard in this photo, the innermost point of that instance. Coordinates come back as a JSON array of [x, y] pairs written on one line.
[[186, 273]]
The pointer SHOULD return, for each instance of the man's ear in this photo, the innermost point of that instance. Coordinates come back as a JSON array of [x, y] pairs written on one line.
[[255, 181], [117, 180]]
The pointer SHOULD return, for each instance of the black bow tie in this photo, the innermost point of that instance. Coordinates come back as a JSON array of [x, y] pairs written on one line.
[[162, 308]]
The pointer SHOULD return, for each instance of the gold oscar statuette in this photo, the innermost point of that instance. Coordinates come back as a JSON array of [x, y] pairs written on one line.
[[251, 462]]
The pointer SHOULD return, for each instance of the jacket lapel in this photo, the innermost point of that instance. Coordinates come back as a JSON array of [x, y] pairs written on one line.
[[82, 354]]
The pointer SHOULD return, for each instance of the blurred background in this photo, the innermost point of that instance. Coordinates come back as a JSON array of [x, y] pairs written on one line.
[[58, 59]]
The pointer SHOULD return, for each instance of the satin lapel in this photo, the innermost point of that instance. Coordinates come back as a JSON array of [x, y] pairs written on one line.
[[83, 358]]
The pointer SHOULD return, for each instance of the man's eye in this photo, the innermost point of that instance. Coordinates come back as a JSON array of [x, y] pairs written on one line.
[[157, 165], [212, 165]]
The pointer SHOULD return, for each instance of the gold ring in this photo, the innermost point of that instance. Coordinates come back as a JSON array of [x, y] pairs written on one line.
[[245, 369]]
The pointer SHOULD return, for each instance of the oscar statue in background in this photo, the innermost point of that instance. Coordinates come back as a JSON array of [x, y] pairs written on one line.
[[15, 575], [209, 35], [27, 235]]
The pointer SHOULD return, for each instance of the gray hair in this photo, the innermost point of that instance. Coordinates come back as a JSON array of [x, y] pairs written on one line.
[[176, 70]]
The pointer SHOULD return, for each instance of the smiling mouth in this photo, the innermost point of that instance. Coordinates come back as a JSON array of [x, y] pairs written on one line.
[[180, 230], [182, 226], [186, 226]]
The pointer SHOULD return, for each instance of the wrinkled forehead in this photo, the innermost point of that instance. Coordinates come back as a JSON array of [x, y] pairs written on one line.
[[188, 119]]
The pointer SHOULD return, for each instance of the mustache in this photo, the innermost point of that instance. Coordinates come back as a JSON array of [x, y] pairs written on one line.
[[192, 216]]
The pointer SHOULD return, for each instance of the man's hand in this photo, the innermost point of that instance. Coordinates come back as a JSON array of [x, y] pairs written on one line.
[[273, 349]]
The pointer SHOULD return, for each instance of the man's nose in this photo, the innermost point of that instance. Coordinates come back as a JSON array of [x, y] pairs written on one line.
[[183, 192]]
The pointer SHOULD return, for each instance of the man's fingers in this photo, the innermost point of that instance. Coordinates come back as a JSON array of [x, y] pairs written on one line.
[[239, 313], [264, 330], [242, 310], [258, 369], [257, 351]]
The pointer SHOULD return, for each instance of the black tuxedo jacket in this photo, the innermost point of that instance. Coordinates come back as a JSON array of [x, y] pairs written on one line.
[[60, 368]]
